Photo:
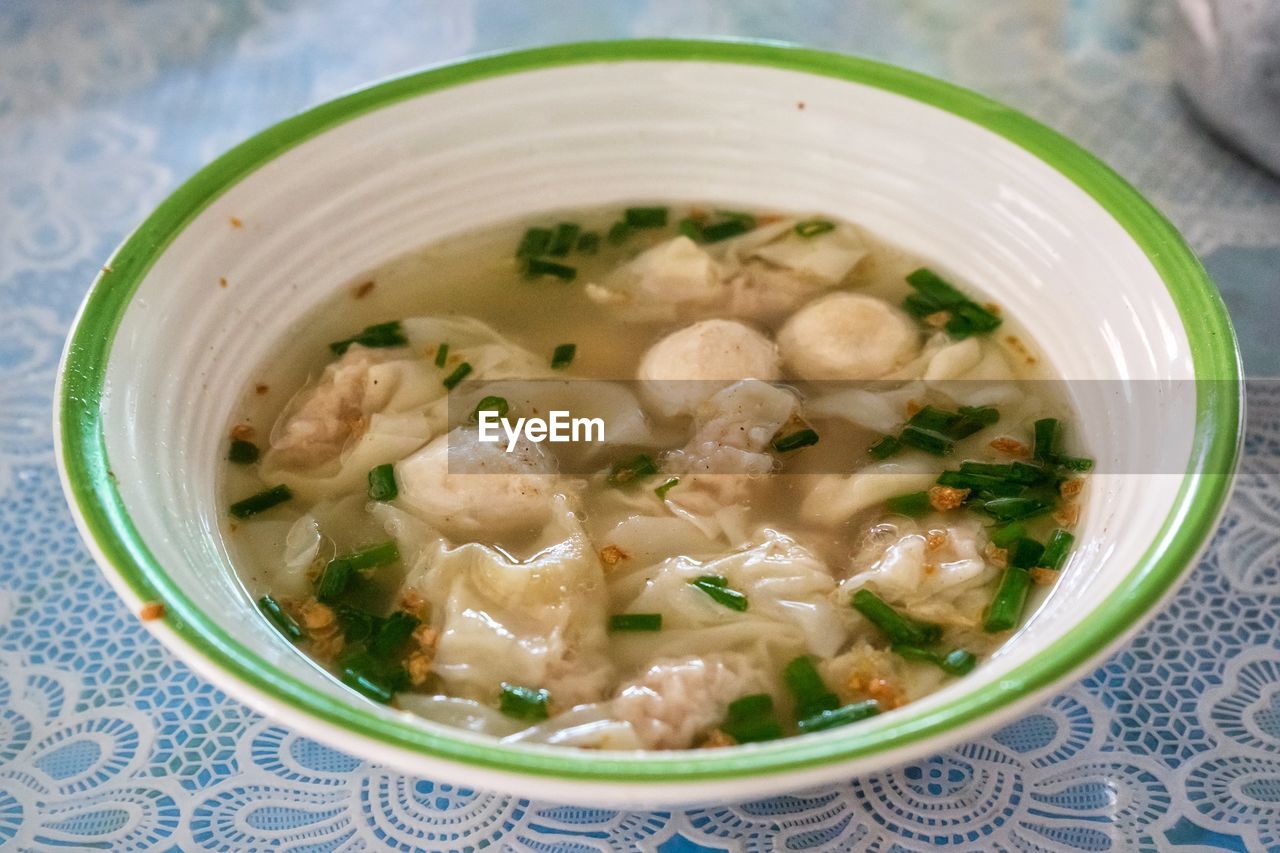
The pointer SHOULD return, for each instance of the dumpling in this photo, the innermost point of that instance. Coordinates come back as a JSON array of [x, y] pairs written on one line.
[[537, 622], [664, 282], [677, 701], [835, 498], [825, 259], [848, 336], [466, 487], [689, 365], [938, 575]]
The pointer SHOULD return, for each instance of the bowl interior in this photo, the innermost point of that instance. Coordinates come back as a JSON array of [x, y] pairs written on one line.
[[411, 165]]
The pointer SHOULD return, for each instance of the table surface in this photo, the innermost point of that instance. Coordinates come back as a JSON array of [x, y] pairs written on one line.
[[107, 740]]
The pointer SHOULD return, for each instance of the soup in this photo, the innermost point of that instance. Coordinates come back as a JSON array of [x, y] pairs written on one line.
[[805, 479]]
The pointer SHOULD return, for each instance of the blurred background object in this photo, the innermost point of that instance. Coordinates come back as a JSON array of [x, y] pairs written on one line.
[[1228, 64]]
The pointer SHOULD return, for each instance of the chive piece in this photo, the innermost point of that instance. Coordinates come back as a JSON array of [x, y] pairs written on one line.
[[357, 625], [619, 232], [795, 441], [564, 239], [390, 635], [691, 228], [523, 703], [535, 242], [985, 415], [635, 622], [959, 662], [808, 688], [662, 490], [372, 557], [242, 452], [1025, 553], [913, 504], [588, 243], [914, 653], [897, 627], [751, 719], [724, 230], [739, 215], [333, 581], [1007, 534], [459, 373], [935, 294], [261, 502], [490, 404], [563, 355], [814, 227], [994, 486], [840, 716], [378, 335], [442, 355], [1015, 509], [645, 217], [953, 425], [1046, 439], [628, 471], [1011, 597], [926, 440], [363, 673], [382, 483], [1028, 473], [717, 588], [884, 448], [280, 618], [1055, 551], [535, 267], [1076, 463]]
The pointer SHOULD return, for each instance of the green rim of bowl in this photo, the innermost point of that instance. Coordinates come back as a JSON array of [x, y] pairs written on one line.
[[1199, 501]]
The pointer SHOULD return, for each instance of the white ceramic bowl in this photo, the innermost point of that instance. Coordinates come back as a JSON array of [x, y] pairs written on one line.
[[1101, 281]]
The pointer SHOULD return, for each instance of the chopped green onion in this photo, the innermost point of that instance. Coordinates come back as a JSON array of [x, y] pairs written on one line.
[[1028, 473], [645, 217], [994, 486], [1076, 463], [242, 452], [662, 490], [524, 703], [618, 233], [717, 588], [261, 502], [280, 618], [1015, 509], [369, 676], [898, 627], [956, 662], [588, 243], [563, 355], [936, 294], [333, 581], [490, 404], [382, 554], [926, 440], [840, 716], [1046, 439], [564, 239], [814, 227], [884, 448], [392, 633], [535, 242], [795, 441], [628, 471], [635, 622], [739, 215], [459, 373], [357, 625], [718, 231], [382, 483], [690, 228], [1025, 553], [1055, 551], [442, 355], [985, 415], [750, 719], [378, 335], [337, 572], [953, 425], [1007, 534], [1011, 597], [913, 504], [535, 267], [808, 688]]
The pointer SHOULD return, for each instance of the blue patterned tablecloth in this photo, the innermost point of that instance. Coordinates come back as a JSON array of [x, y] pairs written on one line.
[[106, 740]]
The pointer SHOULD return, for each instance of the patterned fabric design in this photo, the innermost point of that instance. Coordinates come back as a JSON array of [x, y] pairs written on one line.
[[107, 741]]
